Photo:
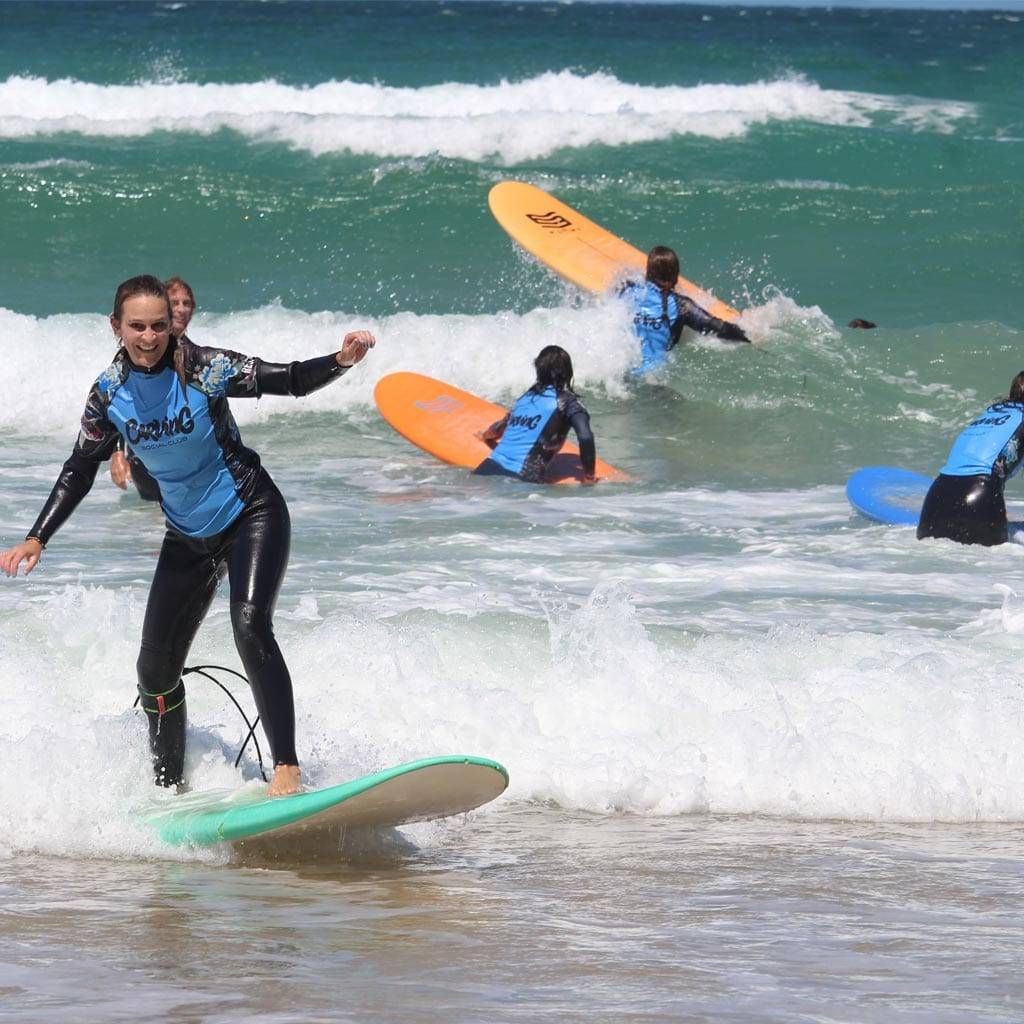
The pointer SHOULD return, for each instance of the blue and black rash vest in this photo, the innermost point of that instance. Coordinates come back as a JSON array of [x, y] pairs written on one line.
[[536, 428], [993, 444], [659, 319], [144, 483], [176, 419]]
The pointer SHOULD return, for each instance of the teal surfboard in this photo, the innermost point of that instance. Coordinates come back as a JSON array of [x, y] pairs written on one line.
[[435, 787]]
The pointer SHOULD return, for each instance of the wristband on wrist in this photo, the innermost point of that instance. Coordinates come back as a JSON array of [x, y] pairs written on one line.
[[32, 536]]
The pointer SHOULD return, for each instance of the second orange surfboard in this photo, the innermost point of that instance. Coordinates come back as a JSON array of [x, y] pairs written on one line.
[[444, 420], [577, 248]]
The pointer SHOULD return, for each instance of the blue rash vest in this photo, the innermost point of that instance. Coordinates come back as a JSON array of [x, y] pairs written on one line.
[[536, 429], [172, 429], [176, 419], [993, 444], [658, 320]]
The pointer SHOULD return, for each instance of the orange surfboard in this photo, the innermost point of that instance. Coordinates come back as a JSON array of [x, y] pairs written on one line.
[[580, 250], [444, 421]]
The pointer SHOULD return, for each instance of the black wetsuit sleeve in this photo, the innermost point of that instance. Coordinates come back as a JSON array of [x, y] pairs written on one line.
[[493, 434], [579, 420], [299, 378], [221, 373], [96, 442], [700, 320], [1012, 455]]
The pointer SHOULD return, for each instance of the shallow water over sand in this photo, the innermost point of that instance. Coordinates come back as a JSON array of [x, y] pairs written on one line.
[[535, 914]]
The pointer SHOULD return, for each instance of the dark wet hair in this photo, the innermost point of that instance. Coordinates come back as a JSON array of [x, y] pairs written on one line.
[[662, 266], [554, 368], [866, 325], [144, 284], [1017, 388], [663, 270], [180, 282]]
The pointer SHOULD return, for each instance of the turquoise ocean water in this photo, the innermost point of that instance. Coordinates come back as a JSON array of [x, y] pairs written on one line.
[[766, 757]]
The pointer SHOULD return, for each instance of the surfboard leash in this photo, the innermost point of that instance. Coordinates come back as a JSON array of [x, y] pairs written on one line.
[[251, 734], [251, 726]]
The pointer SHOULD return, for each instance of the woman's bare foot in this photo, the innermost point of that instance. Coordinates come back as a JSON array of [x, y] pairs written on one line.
[[287, 780]]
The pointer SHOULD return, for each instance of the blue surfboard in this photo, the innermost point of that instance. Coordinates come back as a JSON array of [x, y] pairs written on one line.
[[888, 494]]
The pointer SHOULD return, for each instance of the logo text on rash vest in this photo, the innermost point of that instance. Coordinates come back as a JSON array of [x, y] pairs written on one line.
[[527, 422], [153, 430], [441, 404], [549, 220]]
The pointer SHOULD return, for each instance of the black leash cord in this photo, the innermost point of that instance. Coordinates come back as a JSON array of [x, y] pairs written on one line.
[[251, 726]]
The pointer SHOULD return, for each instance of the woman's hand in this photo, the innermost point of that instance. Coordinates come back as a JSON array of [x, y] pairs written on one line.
[[28, 551], [354, 347], [120, 471]]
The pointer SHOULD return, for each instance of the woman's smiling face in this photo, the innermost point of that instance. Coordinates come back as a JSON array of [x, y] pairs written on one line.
[[144, 329]]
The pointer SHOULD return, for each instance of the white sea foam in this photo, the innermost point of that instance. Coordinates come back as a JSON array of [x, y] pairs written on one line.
[[490, 355], [510, 121], [657, 648], [587, 708]]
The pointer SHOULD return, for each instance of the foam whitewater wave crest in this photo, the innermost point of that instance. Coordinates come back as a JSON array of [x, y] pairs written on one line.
[[490, 355], [510, 121], [487, 354], [585, 706]]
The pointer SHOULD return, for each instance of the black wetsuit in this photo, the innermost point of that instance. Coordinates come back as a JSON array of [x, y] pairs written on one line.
[[224, 514], [965, 502], [253, 552]]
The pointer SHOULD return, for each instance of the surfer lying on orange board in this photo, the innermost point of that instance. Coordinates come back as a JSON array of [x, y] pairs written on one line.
[[528, 437]]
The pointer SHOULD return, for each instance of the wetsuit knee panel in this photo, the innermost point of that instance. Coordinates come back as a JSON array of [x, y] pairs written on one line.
[[157, 670], [254, 632]]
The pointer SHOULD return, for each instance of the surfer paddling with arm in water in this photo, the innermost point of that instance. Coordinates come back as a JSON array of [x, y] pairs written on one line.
[[531, 435], [124, 466], [661, 313], [168, 398], [965, 502]]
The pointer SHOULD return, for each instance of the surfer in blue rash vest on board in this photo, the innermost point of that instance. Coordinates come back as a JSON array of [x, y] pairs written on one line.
[[965, 502], [661, 313], [168, 398], [526, 439]]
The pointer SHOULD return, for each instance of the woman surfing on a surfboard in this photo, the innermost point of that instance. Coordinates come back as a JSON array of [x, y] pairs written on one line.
[[965, 503], [526, 439], [168, 399], [661, 313]]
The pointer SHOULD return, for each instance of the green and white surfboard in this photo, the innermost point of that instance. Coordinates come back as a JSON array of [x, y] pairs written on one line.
[[435, 787]]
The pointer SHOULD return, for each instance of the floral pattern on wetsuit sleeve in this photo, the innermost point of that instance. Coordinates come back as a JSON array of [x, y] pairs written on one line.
[[221, 373], [97, 436], [96, 430], [110, 379]]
